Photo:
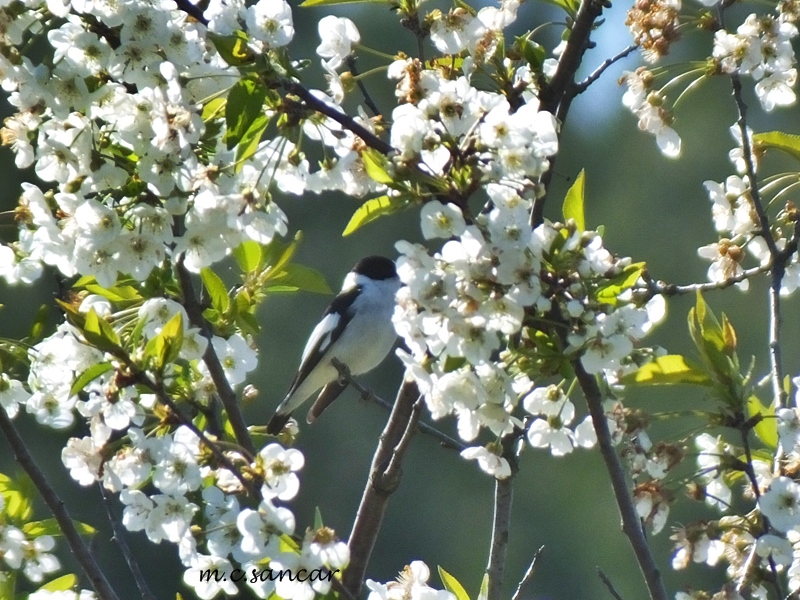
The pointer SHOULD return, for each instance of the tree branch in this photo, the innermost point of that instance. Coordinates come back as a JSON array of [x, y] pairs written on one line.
[[607, 582], [631, 524], [391, 446], [557, 96], [595, 75], [119, 538], [528, 575], [224, 390], [56, 505], [501, 523], [672, 289], [369, 396]]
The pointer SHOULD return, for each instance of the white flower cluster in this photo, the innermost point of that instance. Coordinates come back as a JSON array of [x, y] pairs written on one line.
[[762, 49], [483, 293], [164, 476], [736, 220], [113, 118], [411, 584], [649, 107]]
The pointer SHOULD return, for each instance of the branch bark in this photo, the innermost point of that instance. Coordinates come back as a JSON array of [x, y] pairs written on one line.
[[384, 479], [631, 524], [503, 498], [56, 505]]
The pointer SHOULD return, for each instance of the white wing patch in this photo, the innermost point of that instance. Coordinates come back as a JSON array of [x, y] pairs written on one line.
[[320, 338]]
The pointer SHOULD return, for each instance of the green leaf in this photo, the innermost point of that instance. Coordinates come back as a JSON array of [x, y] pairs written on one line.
[[610, 289], [62, 584], [216, 290], [318, 523], [299, 277], [483, 594], [308, 3], [8, 583], [573, 202], [248, 255], [165, 347], [250, 140], [18, 497], [122, 295], [39, 323], [668, 370], [88, 376], [369, 211], [51, 527], [533, 53], [100, 334], [213, 108], [232, 48], [376, 166], [767, 428], [785, 142], [452, 585], [245, 104]]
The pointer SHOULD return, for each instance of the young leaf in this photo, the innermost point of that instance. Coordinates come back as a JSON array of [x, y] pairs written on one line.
[[767, 428], [452, 585], [309, 3], [483, 594], [318, 523], [785, 142], [216, 290], [245, 104], [18, 495], [376, 165], [573, 202], [100, 334], [369, 211], [299, 277], [248, 144], [88, 376], [668, 370], [610, 290], [232, 48], [51, 527], [248, 255]]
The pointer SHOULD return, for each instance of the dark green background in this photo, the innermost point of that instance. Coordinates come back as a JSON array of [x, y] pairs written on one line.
[[653, 209]]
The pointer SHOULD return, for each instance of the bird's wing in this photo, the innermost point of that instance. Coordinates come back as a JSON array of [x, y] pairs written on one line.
[[333, 323]]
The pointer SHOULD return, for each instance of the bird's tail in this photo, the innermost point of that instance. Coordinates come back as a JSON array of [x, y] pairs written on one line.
[[328, 394], [278, 422]]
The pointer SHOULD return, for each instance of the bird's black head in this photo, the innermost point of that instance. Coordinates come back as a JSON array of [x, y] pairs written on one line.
[[377, 268]]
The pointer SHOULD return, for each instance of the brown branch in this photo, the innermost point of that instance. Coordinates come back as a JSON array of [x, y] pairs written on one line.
[[56, 505], [119, 538], [595, 75], [631, 524], [557, 96], [528, 575], [164, 398], [671, 289], [381, 485], [224, 390], [503, 498], [346, 121], [369, 396]]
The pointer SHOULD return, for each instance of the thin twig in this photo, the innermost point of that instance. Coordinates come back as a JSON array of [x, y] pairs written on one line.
[[379, 487], [528, 575], [56, 505], [224, 390], [631, 524], [595, 75], [119, 538], [672, 289], [557, 96], [351, 64], [369, 396], [501, 524], [164, 398], [607, 582], [346, 121]]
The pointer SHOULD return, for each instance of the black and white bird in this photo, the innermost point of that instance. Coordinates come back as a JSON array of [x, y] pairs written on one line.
[[356, 329]]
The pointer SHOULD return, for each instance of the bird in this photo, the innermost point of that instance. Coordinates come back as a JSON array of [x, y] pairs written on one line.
[[356, 329]]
